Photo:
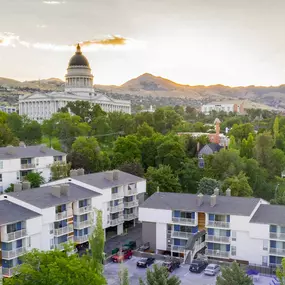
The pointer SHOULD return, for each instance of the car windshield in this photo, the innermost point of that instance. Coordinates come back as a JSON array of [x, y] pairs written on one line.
[[211, 267], [166, 263], [143, 260]]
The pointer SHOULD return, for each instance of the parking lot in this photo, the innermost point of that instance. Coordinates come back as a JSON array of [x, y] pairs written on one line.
[[111, 272]]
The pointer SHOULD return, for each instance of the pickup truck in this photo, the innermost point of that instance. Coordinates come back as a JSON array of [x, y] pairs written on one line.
[[126, 254]]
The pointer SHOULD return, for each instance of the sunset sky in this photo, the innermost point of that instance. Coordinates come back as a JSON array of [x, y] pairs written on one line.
[[230, 42]]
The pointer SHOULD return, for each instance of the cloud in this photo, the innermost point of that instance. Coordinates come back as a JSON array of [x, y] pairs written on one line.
[[54, 2], [113, 40], [41, 26]]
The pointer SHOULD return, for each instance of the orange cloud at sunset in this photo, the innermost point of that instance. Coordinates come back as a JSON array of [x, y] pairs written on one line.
[[114, 40]]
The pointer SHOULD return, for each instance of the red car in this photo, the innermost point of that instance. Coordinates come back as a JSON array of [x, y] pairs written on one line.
[[126, 254]]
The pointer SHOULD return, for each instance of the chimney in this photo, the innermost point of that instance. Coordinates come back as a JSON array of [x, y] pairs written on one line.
[[18, 187], [64, 190], [73, 173], [80, 171], [43, 148], [216, 191], [55, 191], [213, 200], [200, 197], [116, 174], [228, 192], [26, 185], [109, 175], [10, 149], [22, 144]]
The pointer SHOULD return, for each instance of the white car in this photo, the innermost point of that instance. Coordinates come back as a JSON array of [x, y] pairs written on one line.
[[212, 269]]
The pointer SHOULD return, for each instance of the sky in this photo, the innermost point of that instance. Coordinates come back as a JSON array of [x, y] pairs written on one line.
[[195, 42]]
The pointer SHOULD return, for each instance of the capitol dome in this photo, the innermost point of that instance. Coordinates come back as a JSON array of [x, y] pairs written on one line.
[[78, 59]]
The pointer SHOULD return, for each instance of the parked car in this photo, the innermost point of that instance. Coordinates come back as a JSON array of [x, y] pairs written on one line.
[[171, 265], [212, 269], [126, 254], [131, 245], [145, 262], [197, 266]]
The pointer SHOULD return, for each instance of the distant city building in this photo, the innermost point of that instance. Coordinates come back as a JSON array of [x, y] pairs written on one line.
[[78, 86], [8, 109], [149, 110], [230, 106]]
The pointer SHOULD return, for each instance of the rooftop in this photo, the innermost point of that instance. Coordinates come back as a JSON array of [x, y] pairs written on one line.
[[43, 198], [100, 181], [11, 152], [269, 214], [12, 213], [239, 206]]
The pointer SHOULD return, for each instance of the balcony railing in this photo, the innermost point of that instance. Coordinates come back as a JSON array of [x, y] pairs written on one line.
[[117, 221], [117, 195], [280, 236], [131, 204], [8, 272], [61, 246], [14, 235], [118, 208], [131, 192], [81, 239], [184, 221], [218, 224], [64, 230], [178, 234], [63, 215], [278, 251], [27, 165], [222, 239], [83, 224], [83, 210], [217, 253], [178, 248], [129, 217], [10, 254]]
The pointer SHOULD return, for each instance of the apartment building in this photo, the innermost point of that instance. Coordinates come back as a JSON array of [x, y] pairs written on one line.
[[17, 162], [248, 230], [65, 211]]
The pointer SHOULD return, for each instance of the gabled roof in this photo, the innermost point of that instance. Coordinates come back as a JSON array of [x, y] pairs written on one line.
[[230, 205], [269, 214], [27, 152], [12, 213], [42, 197], [99, 179], [210, 148]]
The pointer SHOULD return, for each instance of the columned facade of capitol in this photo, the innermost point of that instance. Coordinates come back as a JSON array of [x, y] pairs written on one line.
[[78, 86]]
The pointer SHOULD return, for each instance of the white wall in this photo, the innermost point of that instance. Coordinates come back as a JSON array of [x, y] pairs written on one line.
[[161, 240], [141, 186], [155, 215]]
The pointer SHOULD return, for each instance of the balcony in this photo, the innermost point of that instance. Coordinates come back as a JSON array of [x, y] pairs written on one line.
[[184, 221], [178, 248], [217, 253], [61, 246], [131, 192], [116, 196], [218, 224], [277, 251], [129, 217], [63, 215], [64, 230], [83, 224], [28, 166], [183, 235], [83, 210], [115, 222], [131, 204], [14, 235], [118, 208], [81, 239], [8, 272], [279, 236], [11, 254], [220, 239]]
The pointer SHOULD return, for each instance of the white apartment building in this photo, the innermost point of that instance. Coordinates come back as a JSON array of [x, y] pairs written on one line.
[[8, 109], [65, 211], [225, 106], [78, 86], [248, 230], [17, 162]]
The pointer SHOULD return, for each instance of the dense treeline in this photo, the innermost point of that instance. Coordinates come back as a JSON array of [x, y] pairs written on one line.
[[146, 144]]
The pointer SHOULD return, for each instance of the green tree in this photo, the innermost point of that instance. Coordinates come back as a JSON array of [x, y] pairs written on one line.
[[35, 179], [31, 132], [160, 276], [276, 129], [122, 122], [233, 275], [15, 123], [6, 136], [263, 149], [238, 185], [241, 131], [101, 129], [124, 276], [60, 170], [86, 153], [276, 163], [232, 144], [134, 168], [161, 178], [207, 185], [145, 130], [281, 272]]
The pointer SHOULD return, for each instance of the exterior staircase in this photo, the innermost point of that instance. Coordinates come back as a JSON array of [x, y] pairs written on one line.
[[195, 244]]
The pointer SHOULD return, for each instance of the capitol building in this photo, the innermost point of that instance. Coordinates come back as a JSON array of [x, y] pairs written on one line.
[[78, 86]]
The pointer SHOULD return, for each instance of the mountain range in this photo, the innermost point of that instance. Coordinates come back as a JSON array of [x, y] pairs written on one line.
[[155, 86]]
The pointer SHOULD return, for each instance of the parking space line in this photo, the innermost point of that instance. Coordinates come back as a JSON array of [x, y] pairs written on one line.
[[186, 274]]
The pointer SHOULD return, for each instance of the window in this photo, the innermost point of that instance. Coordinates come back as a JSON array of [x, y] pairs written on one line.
[[18, 175], [37, 161], [265, 244], [234, 235], [1, 189], [1, 164], [51, 227], [234, 250], [0, 177], [264, 260]]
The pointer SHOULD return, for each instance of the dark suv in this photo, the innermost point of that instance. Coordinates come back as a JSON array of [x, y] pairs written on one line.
[[197, 266], [171, 265]]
